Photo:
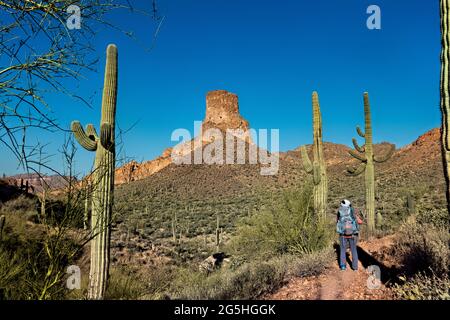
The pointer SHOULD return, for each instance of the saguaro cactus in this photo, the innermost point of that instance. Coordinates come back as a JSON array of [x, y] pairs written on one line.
[[174, 226], [318, 167], [365, 155], [445, 91], [103, 177], [218, 235]]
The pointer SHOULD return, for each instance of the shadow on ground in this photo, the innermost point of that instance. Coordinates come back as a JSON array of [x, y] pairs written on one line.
[[389, 275]]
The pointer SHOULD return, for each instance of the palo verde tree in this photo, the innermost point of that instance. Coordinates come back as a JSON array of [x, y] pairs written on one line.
[[367, 158], [46, 47]]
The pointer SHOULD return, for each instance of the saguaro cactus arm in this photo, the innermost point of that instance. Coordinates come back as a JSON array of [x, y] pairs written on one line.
[[307, 165], [91, 132], [360, 132], [106, 138], [82, 138], [386, 157], [356, 171], [357, 147], [358, 156]]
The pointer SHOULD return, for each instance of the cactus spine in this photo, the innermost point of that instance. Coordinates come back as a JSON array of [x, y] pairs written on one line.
[[103, 182], [318, 167], [2, 225], [445, 92], [365, 155]]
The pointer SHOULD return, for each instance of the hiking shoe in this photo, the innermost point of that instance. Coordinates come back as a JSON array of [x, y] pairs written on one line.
[[343, 268]]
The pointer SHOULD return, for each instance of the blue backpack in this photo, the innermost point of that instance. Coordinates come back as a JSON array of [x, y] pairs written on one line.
[[346, 224]]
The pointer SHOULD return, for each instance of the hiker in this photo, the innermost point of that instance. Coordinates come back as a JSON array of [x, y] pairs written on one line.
[[347, 227]]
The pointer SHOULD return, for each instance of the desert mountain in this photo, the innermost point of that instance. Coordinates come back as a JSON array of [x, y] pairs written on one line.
[[222, 113]]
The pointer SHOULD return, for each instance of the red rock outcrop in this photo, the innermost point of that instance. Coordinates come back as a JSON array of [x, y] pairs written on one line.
[[222, 112]]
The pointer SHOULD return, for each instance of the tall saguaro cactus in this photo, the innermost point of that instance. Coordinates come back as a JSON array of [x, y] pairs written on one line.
[[367, 158], [445, 91], [317, 167], [103, 177]]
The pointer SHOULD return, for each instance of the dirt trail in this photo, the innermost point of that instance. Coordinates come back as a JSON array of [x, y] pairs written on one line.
[[335, 284]]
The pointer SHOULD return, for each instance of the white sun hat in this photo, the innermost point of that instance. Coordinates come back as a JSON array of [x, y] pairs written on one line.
[[345, 203]]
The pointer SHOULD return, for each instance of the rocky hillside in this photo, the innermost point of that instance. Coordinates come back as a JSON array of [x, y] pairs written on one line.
[[186, 200]]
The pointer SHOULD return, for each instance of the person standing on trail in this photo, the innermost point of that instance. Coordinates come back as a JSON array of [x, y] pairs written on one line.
[[347, 227]]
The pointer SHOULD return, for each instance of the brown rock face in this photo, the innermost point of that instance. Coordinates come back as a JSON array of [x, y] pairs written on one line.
[[222, 112], [133, 170]]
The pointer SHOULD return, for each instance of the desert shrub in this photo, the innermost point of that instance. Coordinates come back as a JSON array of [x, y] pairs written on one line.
[[286, 225], [132, 283], [423, 247], [424, 287], [312, 264], [20, 204], [436, 216], [249, 281], [124, 284], [41, 252], [11, 268], [23, 269]]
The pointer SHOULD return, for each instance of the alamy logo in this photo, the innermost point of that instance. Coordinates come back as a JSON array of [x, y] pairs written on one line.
[[74, 280], [74, 20], [374, 20], [235, 146], [374, 279]]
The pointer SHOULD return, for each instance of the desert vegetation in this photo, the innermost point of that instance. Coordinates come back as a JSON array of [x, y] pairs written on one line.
[[207, 231]]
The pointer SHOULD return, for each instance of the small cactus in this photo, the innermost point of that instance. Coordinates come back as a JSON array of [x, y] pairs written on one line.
[[379, 221], [410, 204], [218, 235], [174, 231], [103, 181], [43, 203], [317, 168], [367, 158]]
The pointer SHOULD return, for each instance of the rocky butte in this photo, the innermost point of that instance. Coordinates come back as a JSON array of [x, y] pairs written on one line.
[[222, 112]]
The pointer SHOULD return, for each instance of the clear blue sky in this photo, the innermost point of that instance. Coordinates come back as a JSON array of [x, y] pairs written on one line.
[[273, 54]]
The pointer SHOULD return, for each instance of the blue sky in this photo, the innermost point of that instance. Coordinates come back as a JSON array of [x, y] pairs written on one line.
[[272, 54]]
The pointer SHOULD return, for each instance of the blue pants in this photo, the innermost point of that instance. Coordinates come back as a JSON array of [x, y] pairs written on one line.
[[343, 242]]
